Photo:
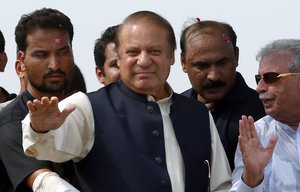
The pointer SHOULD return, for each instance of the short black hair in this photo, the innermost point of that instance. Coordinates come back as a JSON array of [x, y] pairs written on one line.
[[107, 37], [45, 18]]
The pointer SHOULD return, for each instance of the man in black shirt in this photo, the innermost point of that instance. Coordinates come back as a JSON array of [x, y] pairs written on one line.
[[45, 54], [209, 56]]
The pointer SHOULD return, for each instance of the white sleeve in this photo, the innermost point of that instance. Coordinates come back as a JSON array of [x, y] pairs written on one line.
[[73, 140], [237, 182], [220, 179], [51, 182]]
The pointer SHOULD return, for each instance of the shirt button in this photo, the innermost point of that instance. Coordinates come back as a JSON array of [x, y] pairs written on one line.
[[155, 133], [158, 160], [150, 109]]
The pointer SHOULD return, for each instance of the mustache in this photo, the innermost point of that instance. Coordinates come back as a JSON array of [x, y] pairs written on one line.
[[51, 72], [208, 84], [266, 96]]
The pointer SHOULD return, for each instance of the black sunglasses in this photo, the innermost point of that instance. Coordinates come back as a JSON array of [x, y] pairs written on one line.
[[272, 77]]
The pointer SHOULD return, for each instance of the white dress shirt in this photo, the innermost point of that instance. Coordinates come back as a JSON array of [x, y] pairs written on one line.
[[283, 171]]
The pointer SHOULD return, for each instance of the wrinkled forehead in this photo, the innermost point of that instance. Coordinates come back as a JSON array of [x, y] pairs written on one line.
[[216, 31], [276, 61], [209, 40], [143, 30], [145, 22]]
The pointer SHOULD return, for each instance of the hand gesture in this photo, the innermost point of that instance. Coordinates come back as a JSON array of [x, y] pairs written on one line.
[[255, 156], [45, 114]]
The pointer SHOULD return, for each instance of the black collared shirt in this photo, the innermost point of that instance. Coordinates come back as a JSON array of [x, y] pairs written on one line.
[[241, 100]]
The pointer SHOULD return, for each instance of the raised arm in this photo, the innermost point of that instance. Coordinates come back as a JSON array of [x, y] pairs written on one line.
[[255, 156], [45, 114], [50, 132]]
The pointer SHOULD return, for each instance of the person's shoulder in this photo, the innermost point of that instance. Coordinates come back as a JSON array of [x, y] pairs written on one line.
[[2, 105], [245, 94], [188, 101], [16, 110], [264, 121], [252, 92], [243, 87], [188, 93], [101, 92]]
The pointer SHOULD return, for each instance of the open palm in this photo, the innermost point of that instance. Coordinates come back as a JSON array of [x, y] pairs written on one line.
[[45, 114], [255, 156]]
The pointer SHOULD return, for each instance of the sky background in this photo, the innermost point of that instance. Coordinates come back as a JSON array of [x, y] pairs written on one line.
[[255, 22]]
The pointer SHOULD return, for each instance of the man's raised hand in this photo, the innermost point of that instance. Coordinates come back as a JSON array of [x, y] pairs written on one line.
[[255, 156], [45, 114]]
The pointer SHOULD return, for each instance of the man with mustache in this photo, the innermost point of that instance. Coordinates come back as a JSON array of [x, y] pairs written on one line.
[[44, 54], [209, 56], [267, 158]]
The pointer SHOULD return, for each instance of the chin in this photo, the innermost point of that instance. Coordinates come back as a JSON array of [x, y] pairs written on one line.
[[213, 98]]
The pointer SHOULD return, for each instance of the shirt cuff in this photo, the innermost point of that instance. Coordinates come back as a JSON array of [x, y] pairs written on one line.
[[30, 137], [241, 186]]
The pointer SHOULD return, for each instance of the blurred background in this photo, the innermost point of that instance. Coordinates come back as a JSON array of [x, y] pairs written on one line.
[[256, 23]]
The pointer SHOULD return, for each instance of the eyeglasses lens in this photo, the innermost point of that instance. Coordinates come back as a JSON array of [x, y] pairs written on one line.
[[270, 77]]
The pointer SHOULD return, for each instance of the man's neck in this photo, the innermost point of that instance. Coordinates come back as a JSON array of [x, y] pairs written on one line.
[[209, 105]]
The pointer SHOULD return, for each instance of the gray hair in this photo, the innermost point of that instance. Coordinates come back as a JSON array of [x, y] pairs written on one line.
[[291, 46]]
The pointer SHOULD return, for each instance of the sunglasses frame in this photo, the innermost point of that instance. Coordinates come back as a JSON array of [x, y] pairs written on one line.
[[272, 77]]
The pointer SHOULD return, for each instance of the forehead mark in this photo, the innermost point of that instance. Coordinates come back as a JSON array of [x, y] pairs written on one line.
[[58, 41], [226, 38]]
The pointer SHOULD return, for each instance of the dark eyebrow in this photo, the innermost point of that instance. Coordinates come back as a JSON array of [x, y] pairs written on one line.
[[64, 47], [200, 63]]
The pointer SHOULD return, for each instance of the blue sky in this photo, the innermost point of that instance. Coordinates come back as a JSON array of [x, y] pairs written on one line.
[[256, 23]]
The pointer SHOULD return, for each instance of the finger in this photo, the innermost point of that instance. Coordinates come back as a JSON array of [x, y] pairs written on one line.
[[249, 126], [242, 129], [37, 104], [31, 106], [45, 101], [252, 127], [241, 144], [54, 101], [243, 135]]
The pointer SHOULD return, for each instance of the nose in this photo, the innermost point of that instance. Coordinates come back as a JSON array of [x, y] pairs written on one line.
[[54, 63], [261, 87], [213, 73], [144, 59]]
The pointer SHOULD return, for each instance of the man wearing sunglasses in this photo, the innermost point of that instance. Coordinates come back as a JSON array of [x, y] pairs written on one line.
[[209, 56], [267, 158]]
